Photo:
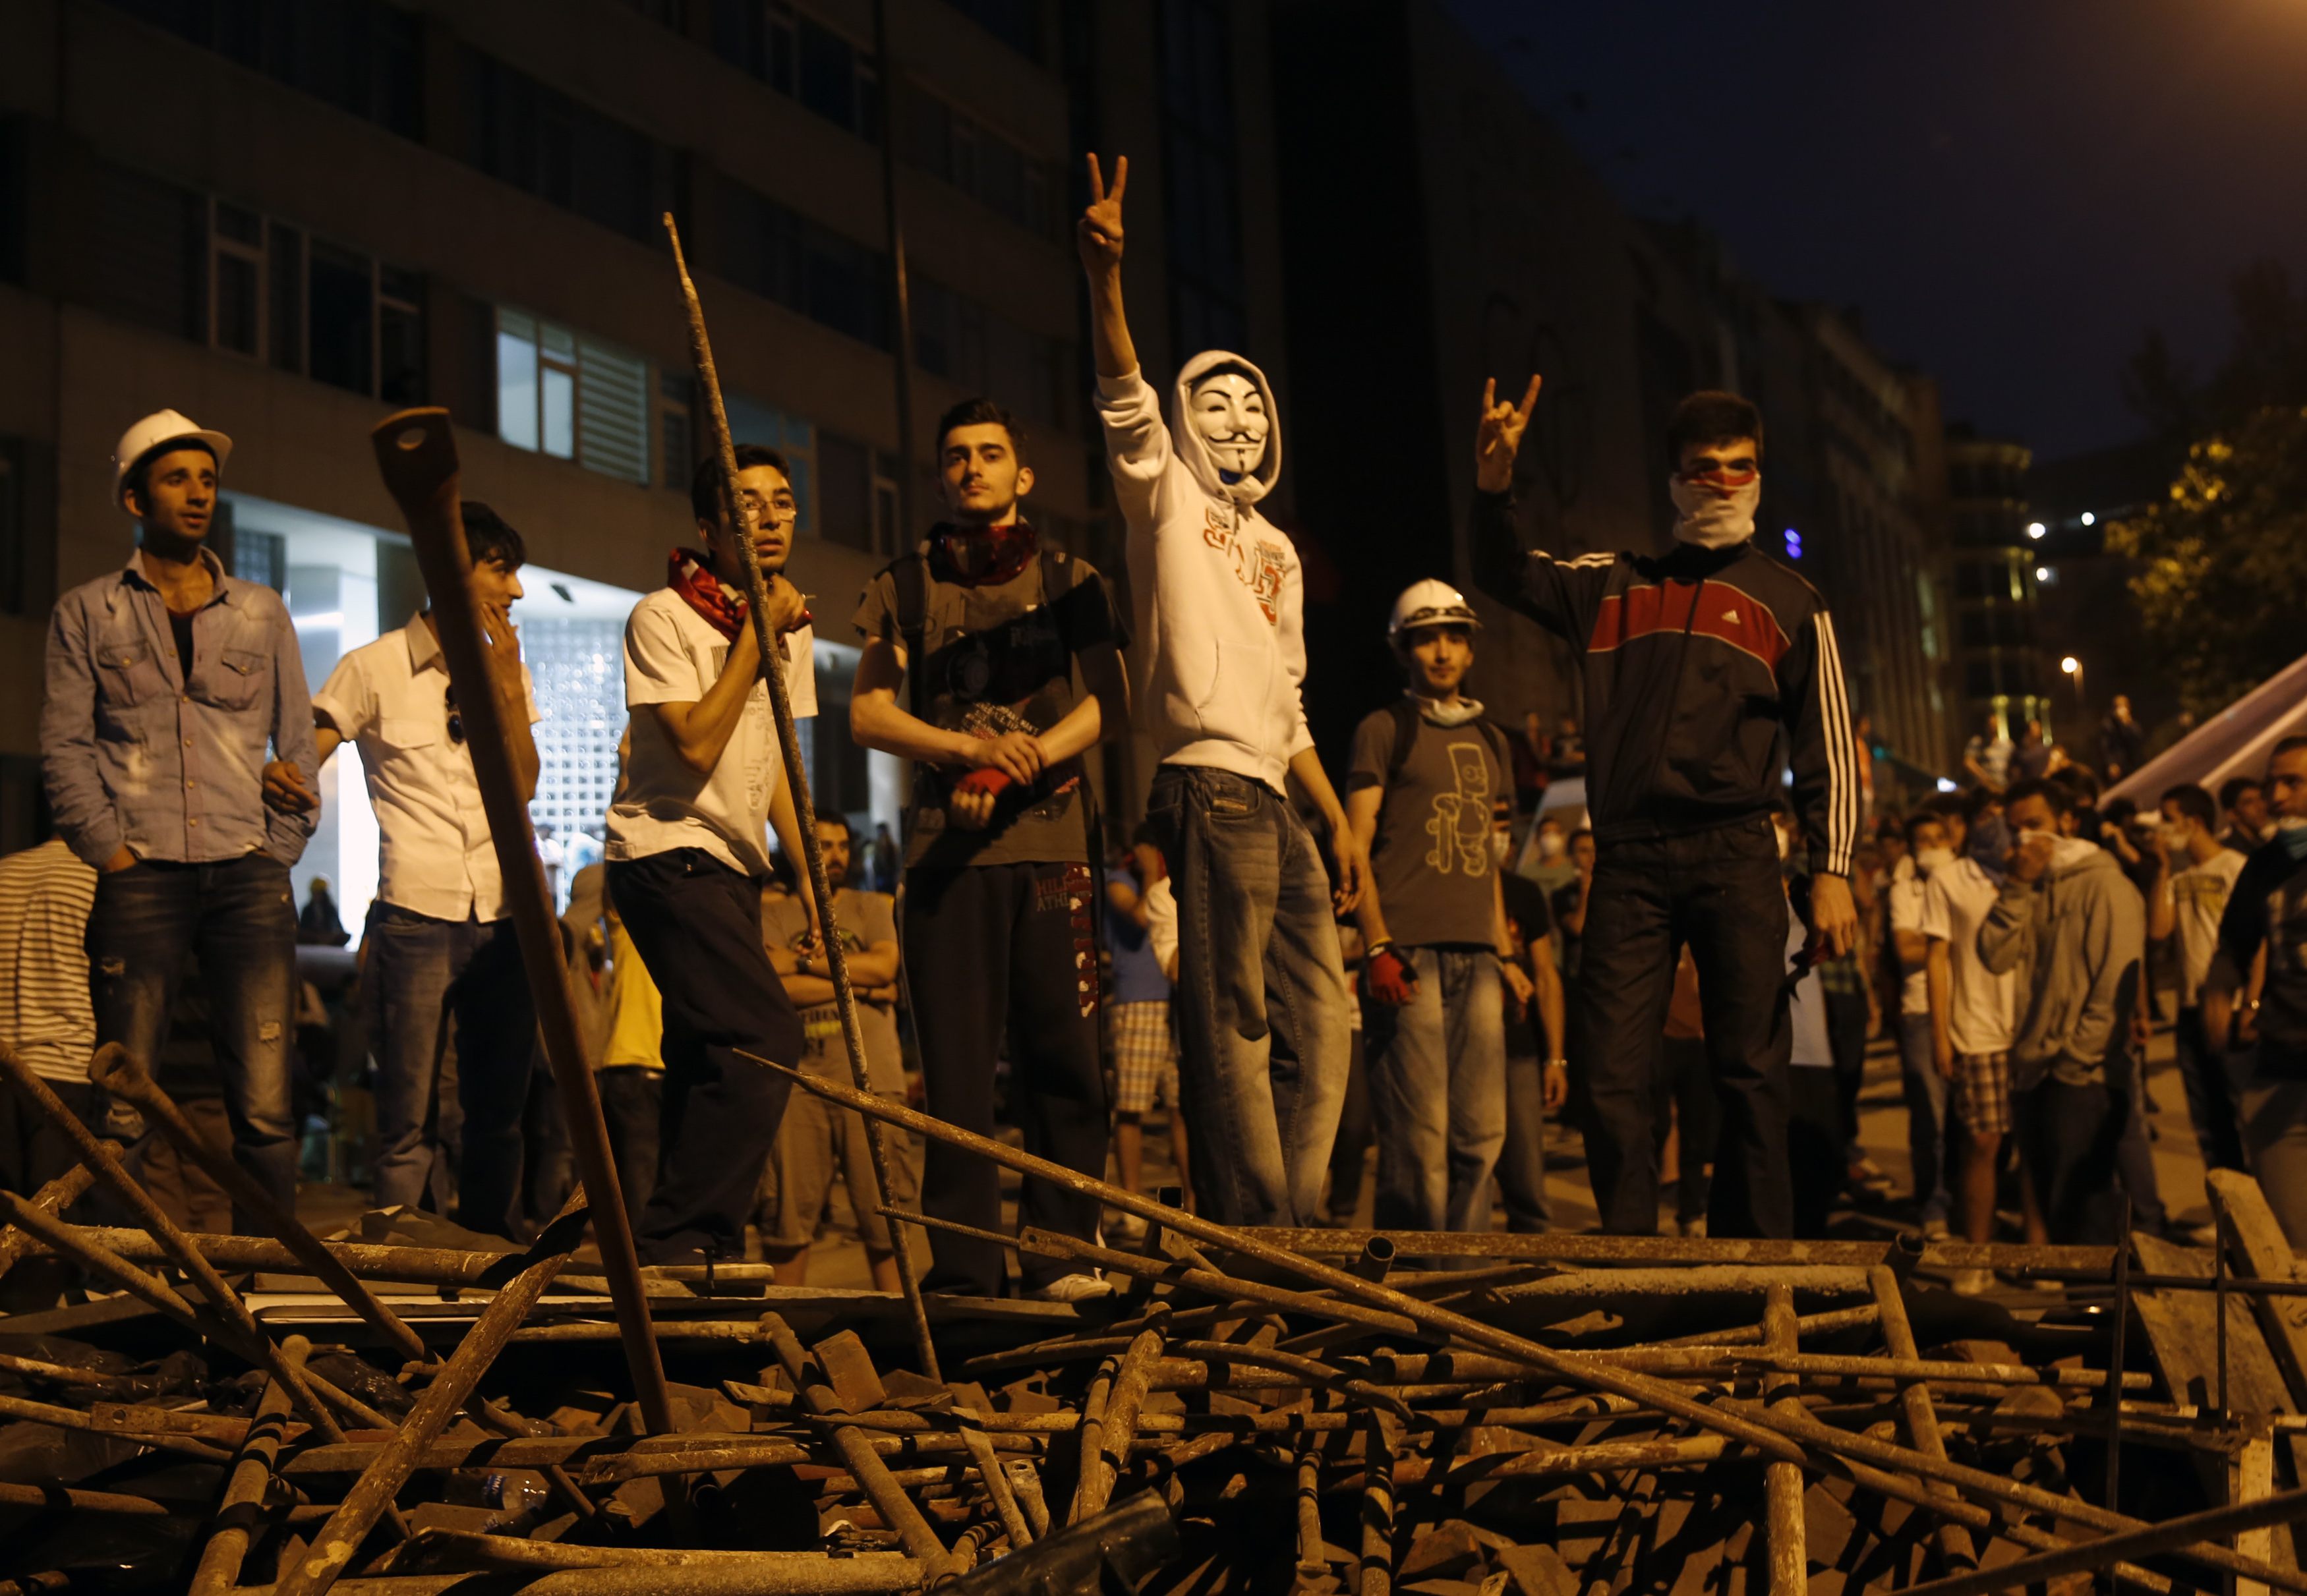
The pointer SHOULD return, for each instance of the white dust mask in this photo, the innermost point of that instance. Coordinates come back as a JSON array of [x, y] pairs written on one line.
[[1933, 858], [1713, 519]]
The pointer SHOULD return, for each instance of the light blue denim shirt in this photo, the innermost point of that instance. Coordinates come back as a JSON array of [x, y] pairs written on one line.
[[134, 754]]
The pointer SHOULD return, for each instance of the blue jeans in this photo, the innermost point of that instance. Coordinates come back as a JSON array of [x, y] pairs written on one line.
[[429, 976], [237, 919], [1261, 997], [1438, 1074], [1927, 1104]]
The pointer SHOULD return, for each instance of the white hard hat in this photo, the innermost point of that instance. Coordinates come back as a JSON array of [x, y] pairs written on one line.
[[156, 432], [1431, 603]]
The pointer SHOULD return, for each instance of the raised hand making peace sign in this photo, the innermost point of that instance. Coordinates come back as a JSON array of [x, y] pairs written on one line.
[[1499, 436], [1099, 234]]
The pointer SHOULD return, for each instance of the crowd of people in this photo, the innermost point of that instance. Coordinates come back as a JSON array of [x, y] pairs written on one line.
[[1687, 966]]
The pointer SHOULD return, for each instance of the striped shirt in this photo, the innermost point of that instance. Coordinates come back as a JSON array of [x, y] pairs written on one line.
[[45, 897]]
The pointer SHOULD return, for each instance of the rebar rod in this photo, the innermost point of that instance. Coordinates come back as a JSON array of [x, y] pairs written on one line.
[[53, 1198]]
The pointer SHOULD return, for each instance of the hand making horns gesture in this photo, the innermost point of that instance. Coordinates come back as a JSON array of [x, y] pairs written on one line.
[[1099, 234], [1499, 436]]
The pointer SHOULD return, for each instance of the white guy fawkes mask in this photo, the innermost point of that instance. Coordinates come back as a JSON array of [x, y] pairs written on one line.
[[1229, 414]]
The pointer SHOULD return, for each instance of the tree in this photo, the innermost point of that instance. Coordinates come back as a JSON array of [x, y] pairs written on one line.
[[2222, 583]]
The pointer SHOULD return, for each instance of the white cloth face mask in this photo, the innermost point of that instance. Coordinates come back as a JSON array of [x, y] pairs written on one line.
[[1712, 518], [1229, 414], [1933, 858]]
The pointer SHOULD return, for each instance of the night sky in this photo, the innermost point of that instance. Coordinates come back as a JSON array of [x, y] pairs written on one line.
[[2010, 191]]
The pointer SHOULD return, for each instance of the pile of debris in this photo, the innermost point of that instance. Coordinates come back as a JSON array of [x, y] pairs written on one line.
[[1254, 1411]]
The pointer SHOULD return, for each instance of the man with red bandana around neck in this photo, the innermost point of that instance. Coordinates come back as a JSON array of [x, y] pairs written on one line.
[[982, 628], [702, 785], [1695, 663]]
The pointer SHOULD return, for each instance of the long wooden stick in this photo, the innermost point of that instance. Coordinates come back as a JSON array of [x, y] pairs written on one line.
[[772, 672], [417, 455]]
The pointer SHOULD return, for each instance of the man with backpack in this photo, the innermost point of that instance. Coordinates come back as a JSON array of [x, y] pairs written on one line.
[[1427, 774], [982, 626]]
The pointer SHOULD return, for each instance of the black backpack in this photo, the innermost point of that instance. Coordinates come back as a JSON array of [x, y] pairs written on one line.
[[1406, 721]]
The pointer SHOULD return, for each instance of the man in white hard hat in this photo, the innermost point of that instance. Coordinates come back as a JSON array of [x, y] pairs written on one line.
[[1428, 774], [168, 683]]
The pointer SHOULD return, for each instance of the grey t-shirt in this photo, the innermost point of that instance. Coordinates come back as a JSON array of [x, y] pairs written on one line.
[[1431, 857], [866, 918]]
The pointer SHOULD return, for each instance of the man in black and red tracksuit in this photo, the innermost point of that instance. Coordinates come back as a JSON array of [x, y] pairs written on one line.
[[1697, 664]]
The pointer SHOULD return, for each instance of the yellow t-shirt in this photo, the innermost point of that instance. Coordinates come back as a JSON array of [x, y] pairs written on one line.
[[635, 1011]]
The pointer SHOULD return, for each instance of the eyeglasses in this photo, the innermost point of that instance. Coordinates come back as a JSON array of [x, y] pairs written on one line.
[[456, 720]]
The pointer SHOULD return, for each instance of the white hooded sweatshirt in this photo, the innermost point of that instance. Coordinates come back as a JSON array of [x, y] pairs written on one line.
[[1218, 649]]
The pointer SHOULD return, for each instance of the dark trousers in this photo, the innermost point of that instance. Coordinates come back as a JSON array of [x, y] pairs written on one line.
[[1814, 1146], [1684, 1091], [1719, 892], [2210, 1093], [431, 977], [697, 925], [1846, 1039], [996, 953], [2068, 1137], [237, 919], [1349, 1154], [631, 1098], [1521, 1162]]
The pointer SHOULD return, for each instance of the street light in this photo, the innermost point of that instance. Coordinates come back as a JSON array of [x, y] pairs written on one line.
[[2074, 667], [2036, 529]]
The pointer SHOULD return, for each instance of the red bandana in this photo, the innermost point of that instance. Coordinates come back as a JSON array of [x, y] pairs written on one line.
[[981, 555], [688, 574]]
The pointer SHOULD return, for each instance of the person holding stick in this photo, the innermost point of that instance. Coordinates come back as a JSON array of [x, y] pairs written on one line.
[[1262, 998], [984, 626], [688, 850]]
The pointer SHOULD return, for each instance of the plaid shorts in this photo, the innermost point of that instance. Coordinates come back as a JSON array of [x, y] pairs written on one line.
[[1144, 1056], [1982, 1092]]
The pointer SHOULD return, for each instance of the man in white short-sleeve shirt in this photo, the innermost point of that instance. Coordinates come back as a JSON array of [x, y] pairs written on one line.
[[1926, 1089], [688, 849], [439, 937], [1972, 1011]]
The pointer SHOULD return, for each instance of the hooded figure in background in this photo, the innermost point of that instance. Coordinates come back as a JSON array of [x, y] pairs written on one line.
[[1219, 666]]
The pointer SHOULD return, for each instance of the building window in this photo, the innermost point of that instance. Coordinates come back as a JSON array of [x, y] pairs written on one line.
[[566, 154], [1197, 148], [950, 145], [752, 422], [1017, 23], [801, 58], [364, 57], [970, 347], [314, 308], [676, 430], [806, 267], [571, 397]]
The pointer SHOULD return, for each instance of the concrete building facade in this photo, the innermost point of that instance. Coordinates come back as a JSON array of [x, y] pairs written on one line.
[[2006, 679], [287, 220]]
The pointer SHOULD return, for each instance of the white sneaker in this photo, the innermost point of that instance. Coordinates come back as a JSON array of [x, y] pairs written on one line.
[[1073, 1288], [1973, 1283], [1124, 1227], [1692, 1227], [1935, 1229]]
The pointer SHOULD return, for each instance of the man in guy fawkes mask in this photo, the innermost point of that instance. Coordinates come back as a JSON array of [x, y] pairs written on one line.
[[1695, 663], [1218, 664]]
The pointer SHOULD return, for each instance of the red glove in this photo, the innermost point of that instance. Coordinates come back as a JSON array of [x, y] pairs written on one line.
[[1388, 976], [985, 779]]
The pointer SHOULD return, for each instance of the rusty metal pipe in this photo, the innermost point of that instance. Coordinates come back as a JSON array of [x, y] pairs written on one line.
[[898, 1510], [53, 1198], [113, 1069], [1786, 1540], [1918, 1414], [1099, 1469], [1365, 1295], [244, 1491], [337, 1541]]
